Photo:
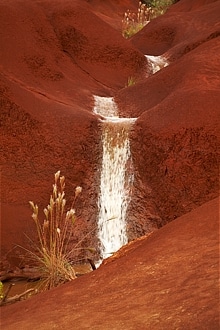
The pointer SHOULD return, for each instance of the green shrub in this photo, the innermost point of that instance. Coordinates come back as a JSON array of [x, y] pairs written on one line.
[[159, 7]]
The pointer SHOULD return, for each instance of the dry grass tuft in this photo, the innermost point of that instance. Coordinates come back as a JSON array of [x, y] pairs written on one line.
[[54, 233], [134, 22]]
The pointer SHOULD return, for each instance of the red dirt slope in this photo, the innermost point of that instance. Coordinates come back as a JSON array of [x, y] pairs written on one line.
[[54, 56], [186, 25], [168, 280], [53, 59], [112, 11], [176, 138]]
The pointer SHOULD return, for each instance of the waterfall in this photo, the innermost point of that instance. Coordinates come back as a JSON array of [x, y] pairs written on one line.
[[156, 62], [116, 177]]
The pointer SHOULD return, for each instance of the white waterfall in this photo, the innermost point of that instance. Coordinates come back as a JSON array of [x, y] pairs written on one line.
[[116, 177], [156, 62]]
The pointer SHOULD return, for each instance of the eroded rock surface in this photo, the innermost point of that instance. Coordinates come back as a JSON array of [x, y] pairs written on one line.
[[167, 280], [175, 141], [55, 55]]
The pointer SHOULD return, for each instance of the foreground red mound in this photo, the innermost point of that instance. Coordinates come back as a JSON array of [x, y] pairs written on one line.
[[168, 280]]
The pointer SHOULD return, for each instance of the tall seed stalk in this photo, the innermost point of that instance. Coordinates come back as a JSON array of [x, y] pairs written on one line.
[[54, 233], [134, 22]]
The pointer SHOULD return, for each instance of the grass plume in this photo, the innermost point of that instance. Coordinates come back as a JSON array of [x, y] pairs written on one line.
[[54, 233], [134, 22]]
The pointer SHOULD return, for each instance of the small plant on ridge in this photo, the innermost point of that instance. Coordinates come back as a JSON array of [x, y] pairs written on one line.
[[1, 291], [131, 81], [134, 22], [159, 7], [147, 10]]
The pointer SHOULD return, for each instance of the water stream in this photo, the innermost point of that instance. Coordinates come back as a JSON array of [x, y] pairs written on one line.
[[116, 177], [156, 63]]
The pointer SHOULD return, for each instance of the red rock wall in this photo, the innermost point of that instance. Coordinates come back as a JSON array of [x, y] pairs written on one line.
[[175, 142]]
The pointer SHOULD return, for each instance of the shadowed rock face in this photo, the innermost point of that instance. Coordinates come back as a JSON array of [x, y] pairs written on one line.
[[54, 57]]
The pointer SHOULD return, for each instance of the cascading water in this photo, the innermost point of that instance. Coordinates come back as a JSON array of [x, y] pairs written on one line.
[[116, 177], [156, 63], [116, 171]]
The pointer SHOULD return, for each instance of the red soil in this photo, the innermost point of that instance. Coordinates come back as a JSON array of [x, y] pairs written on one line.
[[168, 280], [51, 65], [54, 56]]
